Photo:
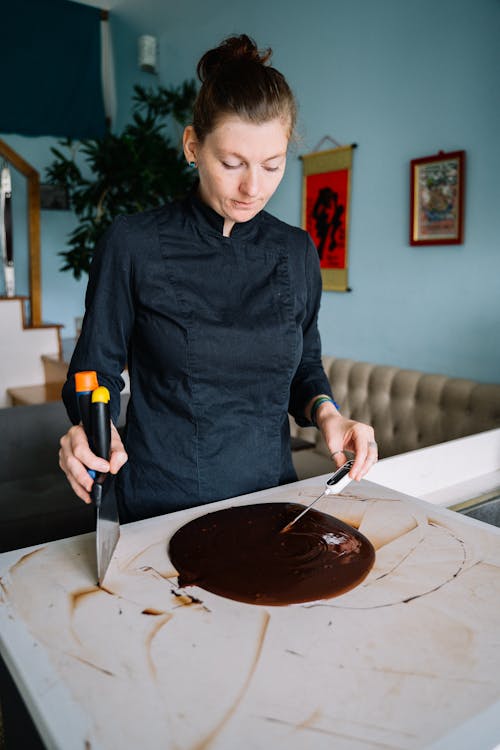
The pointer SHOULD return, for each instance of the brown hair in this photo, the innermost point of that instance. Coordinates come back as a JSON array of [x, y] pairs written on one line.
[[237, 81]]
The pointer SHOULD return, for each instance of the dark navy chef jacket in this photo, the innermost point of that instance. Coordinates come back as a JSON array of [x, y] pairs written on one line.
[[220, 338]]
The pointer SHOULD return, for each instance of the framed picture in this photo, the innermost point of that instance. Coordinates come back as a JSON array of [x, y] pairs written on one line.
[[53, 197], [437, 199], [326, 192]]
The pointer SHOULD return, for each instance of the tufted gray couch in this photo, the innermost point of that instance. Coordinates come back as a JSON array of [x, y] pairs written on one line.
[[408, 409]]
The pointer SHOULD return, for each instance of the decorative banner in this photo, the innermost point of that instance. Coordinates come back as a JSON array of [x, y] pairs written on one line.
[[326, 196]]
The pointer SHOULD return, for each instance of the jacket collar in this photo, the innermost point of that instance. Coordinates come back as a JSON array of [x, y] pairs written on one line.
[[206, 218]]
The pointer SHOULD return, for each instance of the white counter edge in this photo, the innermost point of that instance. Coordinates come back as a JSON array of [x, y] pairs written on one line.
[[434, 470]]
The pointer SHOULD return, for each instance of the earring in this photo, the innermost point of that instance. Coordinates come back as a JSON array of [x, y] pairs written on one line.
[[192, 164]]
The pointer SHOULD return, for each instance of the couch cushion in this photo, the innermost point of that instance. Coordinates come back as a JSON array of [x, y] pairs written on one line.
[[311, 463], [30, 435], [35, 510], [30, 439], [409, 409]]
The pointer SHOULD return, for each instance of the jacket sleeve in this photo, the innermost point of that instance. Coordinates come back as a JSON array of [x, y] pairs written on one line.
[[310, 379], [108, 321]]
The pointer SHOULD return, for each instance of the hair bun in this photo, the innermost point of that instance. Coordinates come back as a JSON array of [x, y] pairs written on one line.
[[233, 49], [237, 81]]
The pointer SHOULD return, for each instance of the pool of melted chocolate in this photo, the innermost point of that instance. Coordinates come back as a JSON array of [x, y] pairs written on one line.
[[240, 553]]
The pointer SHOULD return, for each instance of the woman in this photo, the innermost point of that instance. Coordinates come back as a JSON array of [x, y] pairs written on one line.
[[212, 303]]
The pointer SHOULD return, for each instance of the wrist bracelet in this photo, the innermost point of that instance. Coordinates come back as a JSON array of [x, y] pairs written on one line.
[[317, 403]]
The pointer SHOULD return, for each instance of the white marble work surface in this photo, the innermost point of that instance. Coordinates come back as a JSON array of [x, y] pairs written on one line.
[[409, 659]]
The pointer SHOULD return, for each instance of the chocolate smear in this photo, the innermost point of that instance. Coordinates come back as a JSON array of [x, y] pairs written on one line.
[[240, 553]]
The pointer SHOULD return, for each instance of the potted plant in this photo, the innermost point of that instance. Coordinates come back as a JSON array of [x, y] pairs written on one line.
[[140, 168]]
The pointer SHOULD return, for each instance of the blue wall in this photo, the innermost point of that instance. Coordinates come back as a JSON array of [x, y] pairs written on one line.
[[402, 80]]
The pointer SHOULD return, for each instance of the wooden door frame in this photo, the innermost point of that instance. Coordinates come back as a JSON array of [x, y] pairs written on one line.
[[33, 179]]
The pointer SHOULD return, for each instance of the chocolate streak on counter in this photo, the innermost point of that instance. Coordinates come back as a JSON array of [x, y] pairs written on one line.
[[164, 617], [4, 594], [149, 642], [77, 596], [403, 559], [75, 599], [156, 573], [181, 597], [25, 558], [129, 562], [207, 741], [346, 495], [307, 726], [240, 553], [186, 599], [88, 663]]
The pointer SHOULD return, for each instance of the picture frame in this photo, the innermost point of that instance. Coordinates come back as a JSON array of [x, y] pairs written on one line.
[[53, 197], [437, 186], [326, 195]]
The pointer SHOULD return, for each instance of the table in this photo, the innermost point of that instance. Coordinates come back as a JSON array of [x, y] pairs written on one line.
[[35, 394], [410, 659]]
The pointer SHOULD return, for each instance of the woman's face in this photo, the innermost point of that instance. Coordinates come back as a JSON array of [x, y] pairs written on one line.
[[240, 165]]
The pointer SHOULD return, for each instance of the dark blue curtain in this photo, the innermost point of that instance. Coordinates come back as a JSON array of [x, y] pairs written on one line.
[[50, 76]]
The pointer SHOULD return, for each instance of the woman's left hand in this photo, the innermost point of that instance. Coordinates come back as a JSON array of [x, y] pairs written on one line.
[[342, 434]]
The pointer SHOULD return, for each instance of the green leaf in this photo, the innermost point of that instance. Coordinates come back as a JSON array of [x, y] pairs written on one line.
[[134, 170]]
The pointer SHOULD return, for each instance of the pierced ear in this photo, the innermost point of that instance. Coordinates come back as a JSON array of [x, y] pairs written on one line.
[[190, 144]]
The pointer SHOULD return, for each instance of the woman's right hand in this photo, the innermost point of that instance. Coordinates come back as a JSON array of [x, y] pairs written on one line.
[[75, 457]]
